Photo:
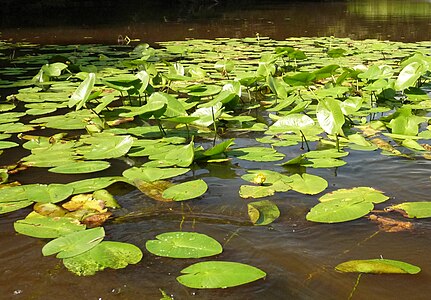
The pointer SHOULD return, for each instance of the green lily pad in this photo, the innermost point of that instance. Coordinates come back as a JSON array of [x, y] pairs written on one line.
[[153, 174], [7, 144], [79, 167], [183, 245], [219, 274], [74, 243], [367, 194], [6, 207], [263, 212], [107, 254], [308, 184], [186, 190], [93, 184], [377, 266], [254, 191], [339, 210], [415, 209], [39, 226], [257, 154]]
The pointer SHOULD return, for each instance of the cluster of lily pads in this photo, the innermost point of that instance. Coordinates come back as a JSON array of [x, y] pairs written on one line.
[[159, 108]]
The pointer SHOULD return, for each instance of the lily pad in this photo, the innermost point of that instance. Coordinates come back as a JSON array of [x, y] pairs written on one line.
[[367, 194], [253, 191], [308, 184], [219, 274], [39, 226], [80, 167], [415, 209], [183, 245], [74, 243], [377, 266], [263, 212], [339, 210], [107, 254], [186, 190]]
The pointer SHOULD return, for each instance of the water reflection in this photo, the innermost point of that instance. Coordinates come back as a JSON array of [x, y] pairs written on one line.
[[357, 19]]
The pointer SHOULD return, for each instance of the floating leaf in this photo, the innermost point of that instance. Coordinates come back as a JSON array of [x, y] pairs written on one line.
[[308, 184], [339, 210], [219, 274], [7, 144], [377, 266], [183, 245], [263, 212], [93, 184], [74, 243], [415, 209], [359, 193], [6, 207], [80, 167], [257, 154], [39, 226], [148, 174], [253, 191], [107, 254], [186, 190]]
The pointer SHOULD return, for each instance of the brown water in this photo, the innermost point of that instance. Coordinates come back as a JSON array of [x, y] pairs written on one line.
[[298, 256], [358, 19]]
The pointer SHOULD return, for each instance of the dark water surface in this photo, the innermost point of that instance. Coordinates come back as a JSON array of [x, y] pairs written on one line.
[[298, 256], [176, 20]]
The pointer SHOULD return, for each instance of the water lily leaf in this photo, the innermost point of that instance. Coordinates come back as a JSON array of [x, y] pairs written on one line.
[[409, 75], [257, 154], [219, 148], [107, 198], [415, 209], [328, 153], [183, 245], [51, 193], [253, 191], [82, 93], [308, 184], [80, 167], [219, 274], [74, 243], [40, 226], [49, 210], [367, 194], [106, 147], [7, 144], [330, 116], [339, 210], [6, 207], [377, 266], [323, 163], [186, 190], [107, 254], [92, 184], [263, 212], [153, 174]]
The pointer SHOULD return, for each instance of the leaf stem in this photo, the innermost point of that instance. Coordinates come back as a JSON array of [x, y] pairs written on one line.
[[355, 286]]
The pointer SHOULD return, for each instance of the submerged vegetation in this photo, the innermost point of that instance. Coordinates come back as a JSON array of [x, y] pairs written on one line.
[[168, 112]]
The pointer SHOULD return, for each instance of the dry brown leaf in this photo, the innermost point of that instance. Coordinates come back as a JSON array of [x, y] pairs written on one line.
[[391, 225]]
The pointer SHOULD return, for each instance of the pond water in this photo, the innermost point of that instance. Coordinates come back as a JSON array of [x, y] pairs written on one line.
[[298, 256], [177, 20]]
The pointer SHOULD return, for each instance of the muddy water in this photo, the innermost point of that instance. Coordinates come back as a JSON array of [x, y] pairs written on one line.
[[297, 255]]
